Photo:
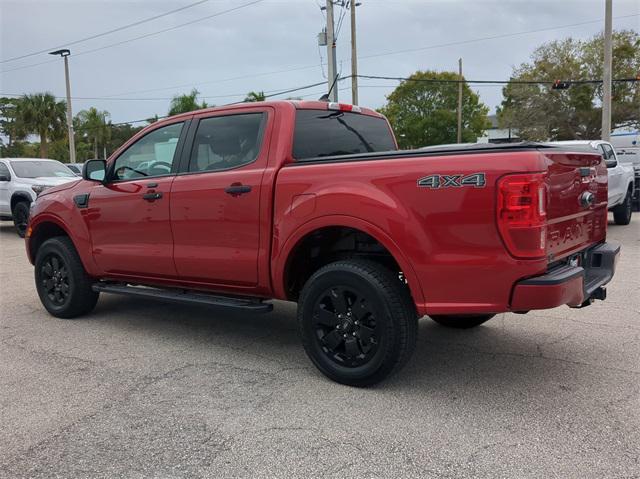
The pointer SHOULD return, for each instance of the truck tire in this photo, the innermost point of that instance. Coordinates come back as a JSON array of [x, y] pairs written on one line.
[[357, 322], [20, 215], [462, 321], [61, 281], [622, 212]]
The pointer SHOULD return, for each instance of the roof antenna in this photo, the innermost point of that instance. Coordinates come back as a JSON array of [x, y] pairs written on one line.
[[326, 96]]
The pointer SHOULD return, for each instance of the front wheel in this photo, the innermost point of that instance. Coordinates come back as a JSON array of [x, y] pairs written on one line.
[[21, 217], [357, 322], [622, 212], [61, 281], [462, 321]]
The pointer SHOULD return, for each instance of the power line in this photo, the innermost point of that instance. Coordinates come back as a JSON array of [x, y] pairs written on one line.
[[98, 35], [147, 35], [272, 93], [308, 67], [492, 37], [283, 92], [493, 82]]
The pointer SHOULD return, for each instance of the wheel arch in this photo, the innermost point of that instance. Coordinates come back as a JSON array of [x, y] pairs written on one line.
[[18, 196], [48, 226], [285, 257]]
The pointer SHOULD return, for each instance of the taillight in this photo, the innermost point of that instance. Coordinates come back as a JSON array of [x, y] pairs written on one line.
[[522, 215]]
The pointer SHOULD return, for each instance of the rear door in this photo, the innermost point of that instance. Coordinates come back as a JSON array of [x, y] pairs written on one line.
[[576, 205], [215, 205], [128, 217]]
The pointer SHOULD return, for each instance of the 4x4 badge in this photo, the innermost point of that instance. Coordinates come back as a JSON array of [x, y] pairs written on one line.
[[477, 180]]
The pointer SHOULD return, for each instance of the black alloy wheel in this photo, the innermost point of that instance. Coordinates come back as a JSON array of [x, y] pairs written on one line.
[[357, 321], [345, 326], [54, 279], [63, 285]]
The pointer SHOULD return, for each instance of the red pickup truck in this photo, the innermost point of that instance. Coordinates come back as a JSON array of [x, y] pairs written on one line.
[[312, 202]]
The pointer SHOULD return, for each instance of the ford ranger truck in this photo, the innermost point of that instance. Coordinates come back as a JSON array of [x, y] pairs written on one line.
[[312, 202]]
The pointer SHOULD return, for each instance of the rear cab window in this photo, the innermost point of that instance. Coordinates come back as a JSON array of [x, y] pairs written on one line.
[[323, 133]]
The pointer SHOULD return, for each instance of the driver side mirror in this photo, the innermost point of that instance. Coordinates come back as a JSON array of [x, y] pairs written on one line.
[[611, 163], [94, 170], [5, 177]]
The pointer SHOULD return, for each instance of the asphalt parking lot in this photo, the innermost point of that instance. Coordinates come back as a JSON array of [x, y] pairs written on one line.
[[144, 389]]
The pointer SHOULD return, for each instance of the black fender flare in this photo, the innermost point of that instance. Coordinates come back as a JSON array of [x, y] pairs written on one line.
[[20, 195]]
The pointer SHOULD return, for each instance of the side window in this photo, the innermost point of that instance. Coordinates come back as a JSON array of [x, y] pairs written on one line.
[[152, 155], [609, 156], [226, 142], [4, 172]]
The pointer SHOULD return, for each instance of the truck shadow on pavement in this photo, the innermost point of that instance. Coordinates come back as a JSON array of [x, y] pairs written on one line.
[[494, 355]]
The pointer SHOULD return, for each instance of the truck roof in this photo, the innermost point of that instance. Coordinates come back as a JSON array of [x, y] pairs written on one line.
[[298, 104]]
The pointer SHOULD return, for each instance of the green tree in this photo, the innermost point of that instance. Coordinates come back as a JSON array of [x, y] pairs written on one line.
[[540, 112], [10, 126], [42, 115], [120, 134], [424, 112], [186, 103], [94, 124], [255, 96]]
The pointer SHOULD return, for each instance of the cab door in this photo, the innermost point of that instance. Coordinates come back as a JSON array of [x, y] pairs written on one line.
[[128, 217], [215, 202]]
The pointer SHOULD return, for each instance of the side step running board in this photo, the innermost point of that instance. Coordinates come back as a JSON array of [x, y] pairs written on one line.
[[254, 305]]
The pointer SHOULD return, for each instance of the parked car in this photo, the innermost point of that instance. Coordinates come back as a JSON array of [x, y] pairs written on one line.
[[311, 202], [632, 156], [620, 177], [21, 180], [75, 167]]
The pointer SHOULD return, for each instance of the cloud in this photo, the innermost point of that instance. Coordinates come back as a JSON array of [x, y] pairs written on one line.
[[273, 36]]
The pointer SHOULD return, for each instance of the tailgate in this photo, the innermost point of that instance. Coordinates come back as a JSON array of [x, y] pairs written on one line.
[[576, 202]]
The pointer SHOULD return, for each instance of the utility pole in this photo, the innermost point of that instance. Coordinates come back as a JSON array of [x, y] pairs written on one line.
[[354, 55], [332, 66], [460, 101], [64, 53], [606, 78]]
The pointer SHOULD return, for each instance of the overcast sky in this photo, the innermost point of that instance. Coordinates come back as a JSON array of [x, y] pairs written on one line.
[[229, 55]]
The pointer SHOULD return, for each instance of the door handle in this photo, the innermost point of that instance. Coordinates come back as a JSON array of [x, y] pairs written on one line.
[[237, 189], [152, 196], [152, 185]]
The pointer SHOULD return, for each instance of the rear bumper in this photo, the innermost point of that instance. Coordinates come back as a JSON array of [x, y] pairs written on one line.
[[570, 285]]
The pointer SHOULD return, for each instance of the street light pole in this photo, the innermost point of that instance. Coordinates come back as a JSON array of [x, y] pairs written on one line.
[[354, 55], [606, 78], [332, 67], [64, 53], [459, 138]]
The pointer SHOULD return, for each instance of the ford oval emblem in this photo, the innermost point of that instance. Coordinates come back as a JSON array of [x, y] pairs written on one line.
[[586, 199]]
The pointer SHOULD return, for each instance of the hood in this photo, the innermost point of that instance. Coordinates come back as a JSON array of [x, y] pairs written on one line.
[[55, 184], [49, 180]]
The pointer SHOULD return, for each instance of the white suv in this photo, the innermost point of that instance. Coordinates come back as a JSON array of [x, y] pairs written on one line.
[[21, 179]]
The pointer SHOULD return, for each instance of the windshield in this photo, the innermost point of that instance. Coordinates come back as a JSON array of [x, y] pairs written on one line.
[[321, 133], [36, 169]]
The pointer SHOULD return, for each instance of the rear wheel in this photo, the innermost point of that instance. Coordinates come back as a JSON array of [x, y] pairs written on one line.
[[61, 281], [357, 321], [462, 321], [21, 217], [622, 212]]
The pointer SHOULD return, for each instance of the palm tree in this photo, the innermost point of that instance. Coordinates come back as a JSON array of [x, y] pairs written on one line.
[[255, 96], [95, 125], [42, 115], [186, 103]]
